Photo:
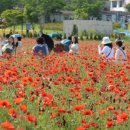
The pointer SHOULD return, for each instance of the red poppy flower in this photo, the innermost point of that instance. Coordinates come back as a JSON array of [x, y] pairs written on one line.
[[109, 124], [110, 108], [18, 100], [61, 110], [80, 128], [32, 119], [89, 89], [5, 104], [87, 112], [79, 107], [13, 113], [23, 108], [7, 126]]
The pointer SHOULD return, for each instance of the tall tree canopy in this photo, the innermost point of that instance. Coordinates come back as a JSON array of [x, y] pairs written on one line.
[[7, 4], [128, 7], [42, 7], [83, 9]]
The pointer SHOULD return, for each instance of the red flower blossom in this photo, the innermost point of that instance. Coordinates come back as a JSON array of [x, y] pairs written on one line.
[[89, 89], [13, 113], [80, 128], [32, 119], [102, 112], [111, 87], [61, 110], [18, 100], [7, 126], [87, 112], [109, 124], [110, 108], [23, 108], [122, 117], [79, 107], [5, 104]]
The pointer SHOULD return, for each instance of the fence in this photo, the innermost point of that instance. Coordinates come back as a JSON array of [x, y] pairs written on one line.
[[103, 27]]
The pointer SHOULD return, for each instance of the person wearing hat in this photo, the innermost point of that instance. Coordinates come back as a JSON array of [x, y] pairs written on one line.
[[106, 48], [120, 55]]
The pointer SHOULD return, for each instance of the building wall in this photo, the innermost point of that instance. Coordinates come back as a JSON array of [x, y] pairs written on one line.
[[104, 27], [117, 5]]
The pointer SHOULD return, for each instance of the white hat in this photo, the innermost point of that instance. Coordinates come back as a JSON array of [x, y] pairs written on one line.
[[106, 40]]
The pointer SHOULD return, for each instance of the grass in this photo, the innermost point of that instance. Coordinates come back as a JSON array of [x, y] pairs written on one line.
[[48, 28]]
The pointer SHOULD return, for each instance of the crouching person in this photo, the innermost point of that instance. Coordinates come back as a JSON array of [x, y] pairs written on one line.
[[41, 47], [8, 48]]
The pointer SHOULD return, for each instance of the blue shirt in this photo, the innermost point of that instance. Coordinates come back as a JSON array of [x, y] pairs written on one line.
[[43, 48]]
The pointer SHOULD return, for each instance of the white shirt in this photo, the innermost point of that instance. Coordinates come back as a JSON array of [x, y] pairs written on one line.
[[74, 48], [120, 55], [106, 51], [19, 45], [5, 42], [7, 46]]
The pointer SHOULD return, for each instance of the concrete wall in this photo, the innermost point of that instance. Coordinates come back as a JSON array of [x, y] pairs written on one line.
[[104, 27]]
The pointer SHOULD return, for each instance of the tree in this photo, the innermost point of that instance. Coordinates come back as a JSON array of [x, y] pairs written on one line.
[[83, 9], [12, 16], [34, 9], [7, 4], [75, 30], [128, 7]]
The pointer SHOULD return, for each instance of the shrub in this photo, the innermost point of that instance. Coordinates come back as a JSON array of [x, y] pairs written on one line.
[[75, 30], [116, 25]]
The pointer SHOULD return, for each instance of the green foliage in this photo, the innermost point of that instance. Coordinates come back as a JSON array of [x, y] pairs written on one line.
[[34, 9], [75, 30], [83, 9], [128, 7], [116, 25], [7, 4], [90, 35], [12, 16]]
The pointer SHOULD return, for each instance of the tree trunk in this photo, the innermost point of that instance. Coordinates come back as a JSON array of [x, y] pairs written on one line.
[[41, 23]]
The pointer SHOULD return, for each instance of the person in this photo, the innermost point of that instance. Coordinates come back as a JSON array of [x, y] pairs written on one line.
[[0, 46], [8, 48], [6, 39], [120, 55], [18, 44], [74, 47], [58, 47], [41, 47], [105, 49], [48, 41], [66, 43]]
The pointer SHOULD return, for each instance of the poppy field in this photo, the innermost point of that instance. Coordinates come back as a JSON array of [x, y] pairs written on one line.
[[64, 91]]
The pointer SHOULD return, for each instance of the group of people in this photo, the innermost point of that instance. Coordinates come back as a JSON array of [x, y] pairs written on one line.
[[106, 50], [45, 44], [10, 44]]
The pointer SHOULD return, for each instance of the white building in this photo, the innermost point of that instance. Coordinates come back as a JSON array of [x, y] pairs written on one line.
[[116, 11], [118, 5]]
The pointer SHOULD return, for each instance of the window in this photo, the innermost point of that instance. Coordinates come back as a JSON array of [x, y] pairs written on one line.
[[121, 3], [114, 4]]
